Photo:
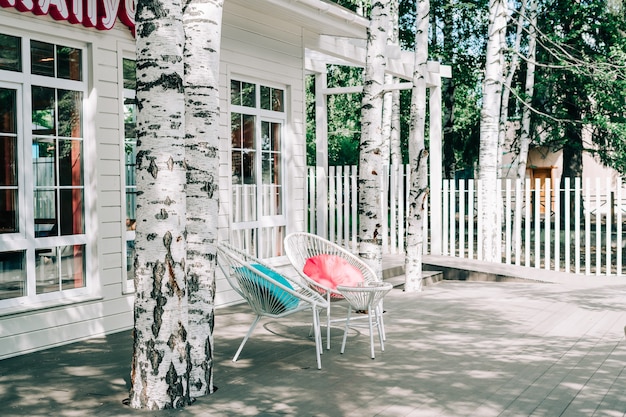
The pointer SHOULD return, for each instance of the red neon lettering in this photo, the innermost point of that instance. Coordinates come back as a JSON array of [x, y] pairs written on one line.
[[107, 18], [90, 13]]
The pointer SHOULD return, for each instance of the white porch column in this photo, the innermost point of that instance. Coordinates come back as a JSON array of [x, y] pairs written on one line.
[[321, 154], [435, 155]]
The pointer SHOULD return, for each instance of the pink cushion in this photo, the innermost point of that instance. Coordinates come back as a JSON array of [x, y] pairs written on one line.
[[332, 270]]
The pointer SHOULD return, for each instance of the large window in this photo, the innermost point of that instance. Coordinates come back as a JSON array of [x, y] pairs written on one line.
[[130, 153], [42, 188], [257, 118]]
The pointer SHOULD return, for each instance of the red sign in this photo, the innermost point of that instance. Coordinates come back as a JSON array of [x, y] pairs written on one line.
[[100, 14]]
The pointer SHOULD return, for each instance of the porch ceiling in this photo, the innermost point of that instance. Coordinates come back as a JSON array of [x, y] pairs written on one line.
[[316, 16]]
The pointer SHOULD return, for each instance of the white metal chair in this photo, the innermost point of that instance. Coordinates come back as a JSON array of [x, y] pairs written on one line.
[[301, 246], [269, 293], [366, 298]]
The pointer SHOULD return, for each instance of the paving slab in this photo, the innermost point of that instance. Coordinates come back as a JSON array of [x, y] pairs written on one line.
[[457, 348]]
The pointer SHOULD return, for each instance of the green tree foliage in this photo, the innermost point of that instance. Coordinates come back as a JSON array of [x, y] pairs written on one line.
[[344, 126], [581, 81]]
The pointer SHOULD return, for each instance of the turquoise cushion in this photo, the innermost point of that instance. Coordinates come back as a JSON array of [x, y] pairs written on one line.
[[281, 300]]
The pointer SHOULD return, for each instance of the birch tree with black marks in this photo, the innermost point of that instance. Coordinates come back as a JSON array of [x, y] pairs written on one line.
[[159, 377], [370, 147], [202, 20], [489, 202], [418, 155], [178, 48]]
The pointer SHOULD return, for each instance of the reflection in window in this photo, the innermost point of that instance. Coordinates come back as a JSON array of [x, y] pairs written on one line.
[[43, 111], [55, 61], [9, 163], [51, 160], [242, 93], [10, 53], [60, 268], [42, 58], [70, 113], [130, 153], [271, 184], [257, 119], [69, 63], [12, 274], [271, 98]]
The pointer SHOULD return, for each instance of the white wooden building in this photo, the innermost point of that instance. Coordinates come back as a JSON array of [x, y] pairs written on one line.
[[67, 147]]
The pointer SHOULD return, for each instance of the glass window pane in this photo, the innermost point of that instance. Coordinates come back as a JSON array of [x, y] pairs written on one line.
[[70, 113], [42, 58], [69, 64], [278, 100], [266, 98], [70, 162], [265, 136], [10, 53], [8, 159], [71, 212], [47, 270], [237, 162], [44, 162], [130, 118], [8, 211], [244, 203], [130, 149], [45, 213], [131, 209], [130, 259], [275, 137], [249, 132], [43, 111], [12, 274], [248, 94], [235, 92], [72, 266], [8, 110], [59, 268], [248, 171], [129, 73], [236, 133]]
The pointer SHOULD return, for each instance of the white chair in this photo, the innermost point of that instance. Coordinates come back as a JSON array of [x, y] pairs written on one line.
[[366, 298], [268, 293], [301, 246]]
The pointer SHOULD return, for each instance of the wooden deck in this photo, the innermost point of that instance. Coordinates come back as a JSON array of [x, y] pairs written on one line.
[[456, 349]]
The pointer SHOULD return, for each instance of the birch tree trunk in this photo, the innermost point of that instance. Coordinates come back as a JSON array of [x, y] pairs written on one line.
[[418, 156], [489, 122], [159, 377], [395, 149], [529, 90], [391, 108], [202, 21], [508, 81], [370, 147]]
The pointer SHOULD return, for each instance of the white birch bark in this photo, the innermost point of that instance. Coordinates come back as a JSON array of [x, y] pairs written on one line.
[[529, 89], [370, 154], [395, 147], [387, 115], [389, 97], [508, 81], [159, 369], [417, 154], [202, 21], [489, 122]]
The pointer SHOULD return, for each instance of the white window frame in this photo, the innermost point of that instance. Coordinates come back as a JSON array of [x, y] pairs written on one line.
[[124, 51], [260, 115], [25, 239]]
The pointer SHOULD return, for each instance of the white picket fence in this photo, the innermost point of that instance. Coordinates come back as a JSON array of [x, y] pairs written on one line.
[[579, 228]]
